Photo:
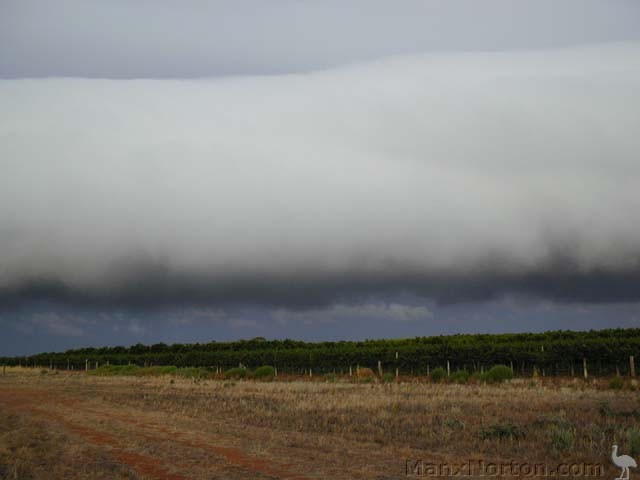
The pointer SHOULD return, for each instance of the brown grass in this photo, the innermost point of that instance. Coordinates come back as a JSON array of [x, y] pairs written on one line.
[[37, 450], [301, 429]]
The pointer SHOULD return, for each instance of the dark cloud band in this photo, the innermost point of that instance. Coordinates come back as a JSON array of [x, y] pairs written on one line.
[[151, 291]]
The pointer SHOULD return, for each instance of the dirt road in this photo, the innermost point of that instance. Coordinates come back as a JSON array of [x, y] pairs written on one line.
[[141, 439]]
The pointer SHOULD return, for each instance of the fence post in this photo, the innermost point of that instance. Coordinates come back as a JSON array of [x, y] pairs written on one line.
[[397, 369], [350, 371], [86, 365], [584, 367], [448, 369], [380, 368], [632, 366]]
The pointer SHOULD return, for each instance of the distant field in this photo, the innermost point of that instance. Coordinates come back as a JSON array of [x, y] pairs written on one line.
[[74, 425]]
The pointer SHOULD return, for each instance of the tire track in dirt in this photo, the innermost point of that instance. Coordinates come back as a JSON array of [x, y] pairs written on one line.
[[144, 465], [22, 399]]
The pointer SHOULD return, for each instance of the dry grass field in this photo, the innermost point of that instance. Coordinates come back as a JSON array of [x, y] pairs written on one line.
[[59, 425]]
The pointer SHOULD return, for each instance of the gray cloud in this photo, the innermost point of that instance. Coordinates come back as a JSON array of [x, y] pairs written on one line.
[[457, 177], [125, 39]]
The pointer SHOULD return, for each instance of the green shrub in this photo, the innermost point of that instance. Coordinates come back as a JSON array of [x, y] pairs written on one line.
[[265, 372], [236, 373], [438, 374], [633, 437], [331, 377], [460, 376], [616, 383], [148, 371], [388, 377], [562, 439], [168, 370], [454, 424], [193, 373], [502, 431], [498, 374]]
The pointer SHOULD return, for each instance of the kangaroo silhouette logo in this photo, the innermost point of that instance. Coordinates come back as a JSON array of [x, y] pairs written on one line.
[[623, 462]]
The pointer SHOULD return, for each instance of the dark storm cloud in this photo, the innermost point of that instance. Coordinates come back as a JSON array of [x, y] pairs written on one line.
[[150, 291], [125, 39], [457, 177]]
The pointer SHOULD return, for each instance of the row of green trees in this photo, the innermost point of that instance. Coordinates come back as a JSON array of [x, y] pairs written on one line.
[[554, 353]]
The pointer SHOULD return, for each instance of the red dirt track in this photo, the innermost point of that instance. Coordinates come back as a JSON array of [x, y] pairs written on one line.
[[125, 437]]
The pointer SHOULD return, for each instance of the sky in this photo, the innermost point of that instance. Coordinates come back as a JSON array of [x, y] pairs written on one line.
[[196, 171]]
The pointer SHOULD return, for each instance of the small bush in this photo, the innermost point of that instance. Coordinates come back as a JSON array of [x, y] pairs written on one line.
[[562, 439], [331, 377], [460, 376], [502, 431], [616, 383], [388, 377], [123, 369], [193, 373], [438, 374], [364, 372], [633, 437], [236, 373], [605, 409], [168, 370], [498, 374], [454, 424], [265, 372]]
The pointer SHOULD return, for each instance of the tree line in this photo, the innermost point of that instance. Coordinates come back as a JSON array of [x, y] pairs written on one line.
[[550, 353]]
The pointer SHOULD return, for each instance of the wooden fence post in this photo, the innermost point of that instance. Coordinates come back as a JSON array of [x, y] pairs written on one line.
[[632, 366], [448, 369], [350, 371], [584, 367], [397, 369], [380, 368], [86, 365]]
